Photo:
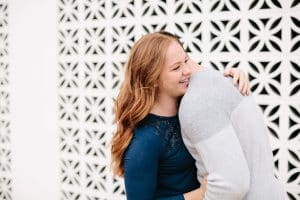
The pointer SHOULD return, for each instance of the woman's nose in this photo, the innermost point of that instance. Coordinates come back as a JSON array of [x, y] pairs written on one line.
[[187, 70]]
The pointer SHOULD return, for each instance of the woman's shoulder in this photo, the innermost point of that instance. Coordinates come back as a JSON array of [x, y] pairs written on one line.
[[151, 131], [145, 141], [146, 132]]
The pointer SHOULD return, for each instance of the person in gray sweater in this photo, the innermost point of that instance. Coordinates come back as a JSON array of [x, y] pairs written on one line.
[[225, 133]]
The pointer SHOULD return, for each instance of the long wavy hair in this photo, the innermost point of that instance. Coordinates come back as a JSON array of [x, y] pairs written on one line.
[[138, 91]]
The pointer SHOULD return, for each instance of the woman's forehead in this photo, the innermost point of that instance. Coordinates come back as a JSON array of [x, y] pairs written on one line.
[[175, 53]]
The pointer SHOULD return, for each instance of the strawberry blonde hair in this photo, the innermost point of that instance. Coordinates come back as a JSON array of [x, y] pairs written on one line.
[[138, 91]]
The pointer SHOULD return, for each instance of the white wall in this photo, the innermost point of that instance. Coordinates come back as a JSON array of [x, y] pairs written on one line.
[[33, 72]]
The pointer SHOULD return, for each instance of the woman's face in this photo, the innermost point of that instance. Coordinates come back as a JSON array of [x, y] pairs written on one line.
[[175, 75]]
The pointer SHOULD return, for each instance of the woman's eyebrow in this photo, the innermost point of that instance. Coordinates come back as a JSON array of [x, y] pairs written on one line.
[[178, 62]]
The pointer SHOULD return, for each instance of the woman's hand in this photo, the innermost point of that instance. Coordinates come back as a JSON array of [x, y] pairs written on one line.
[[239, 78], [197, 194]]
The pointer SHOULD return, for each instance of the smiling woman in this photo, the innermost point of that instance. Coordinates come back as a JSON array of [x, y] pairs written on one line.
[[173, 80], [147, 148]]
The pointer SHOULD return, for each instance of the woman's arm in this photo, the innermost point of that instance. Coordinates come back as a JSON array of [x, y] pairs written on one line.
[[141, 166], [196, 194]]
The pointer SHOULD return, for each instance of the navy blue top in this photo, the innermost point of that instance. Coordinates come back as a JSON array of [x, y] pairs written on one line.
[[157, 165]]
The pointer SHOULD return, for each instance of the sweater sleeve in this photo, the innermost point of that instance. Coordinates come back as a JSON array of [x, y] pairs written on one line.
[[228, 173], [205, 122], [177, 197], [141, 167]]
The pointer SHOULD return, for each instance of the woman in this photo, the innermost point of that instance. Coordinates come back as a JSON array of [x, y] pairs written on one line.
[[147, 148]]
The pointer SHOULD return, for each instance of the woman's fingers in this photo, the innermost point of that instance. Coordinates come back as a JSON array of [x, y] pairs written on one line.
[[245, 88], [203, 183], [243, 82], [240, 79], [227, 72], [236, 77], [204, 180]]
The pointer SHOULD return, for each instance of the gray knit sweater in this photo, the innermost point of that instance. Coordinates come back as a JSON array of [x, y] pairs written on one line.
[[225, 133]]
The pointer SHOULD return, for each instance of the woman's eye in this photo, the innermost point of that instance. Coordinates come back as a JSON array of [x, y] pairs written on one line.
[[177, 67]]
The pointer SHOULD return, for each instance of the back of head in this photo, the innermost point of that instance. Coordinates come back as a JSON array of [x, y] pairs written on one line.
[[139, 90]]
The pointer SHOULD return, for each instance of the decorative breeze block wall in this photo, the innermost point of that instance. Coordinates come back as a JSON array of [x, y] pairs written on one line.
[[5, 143]]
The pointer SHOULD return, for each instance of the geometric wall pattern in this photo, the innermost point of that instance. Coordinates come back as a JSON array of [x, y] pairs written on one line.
[[5, 144], [95, 37]]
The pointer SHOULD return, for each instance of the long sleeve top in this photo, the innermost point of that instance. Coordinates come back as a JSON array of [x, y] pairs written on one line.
[[225, 133], [157, 165]]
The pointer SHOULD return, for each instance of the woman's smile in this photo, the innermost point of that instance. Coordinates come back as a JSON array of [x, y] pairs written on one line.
[[185, 82]]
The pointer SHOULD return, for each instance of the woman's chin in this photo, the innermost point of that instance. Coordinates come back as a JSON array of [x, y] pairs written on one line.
[[182, 92]]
